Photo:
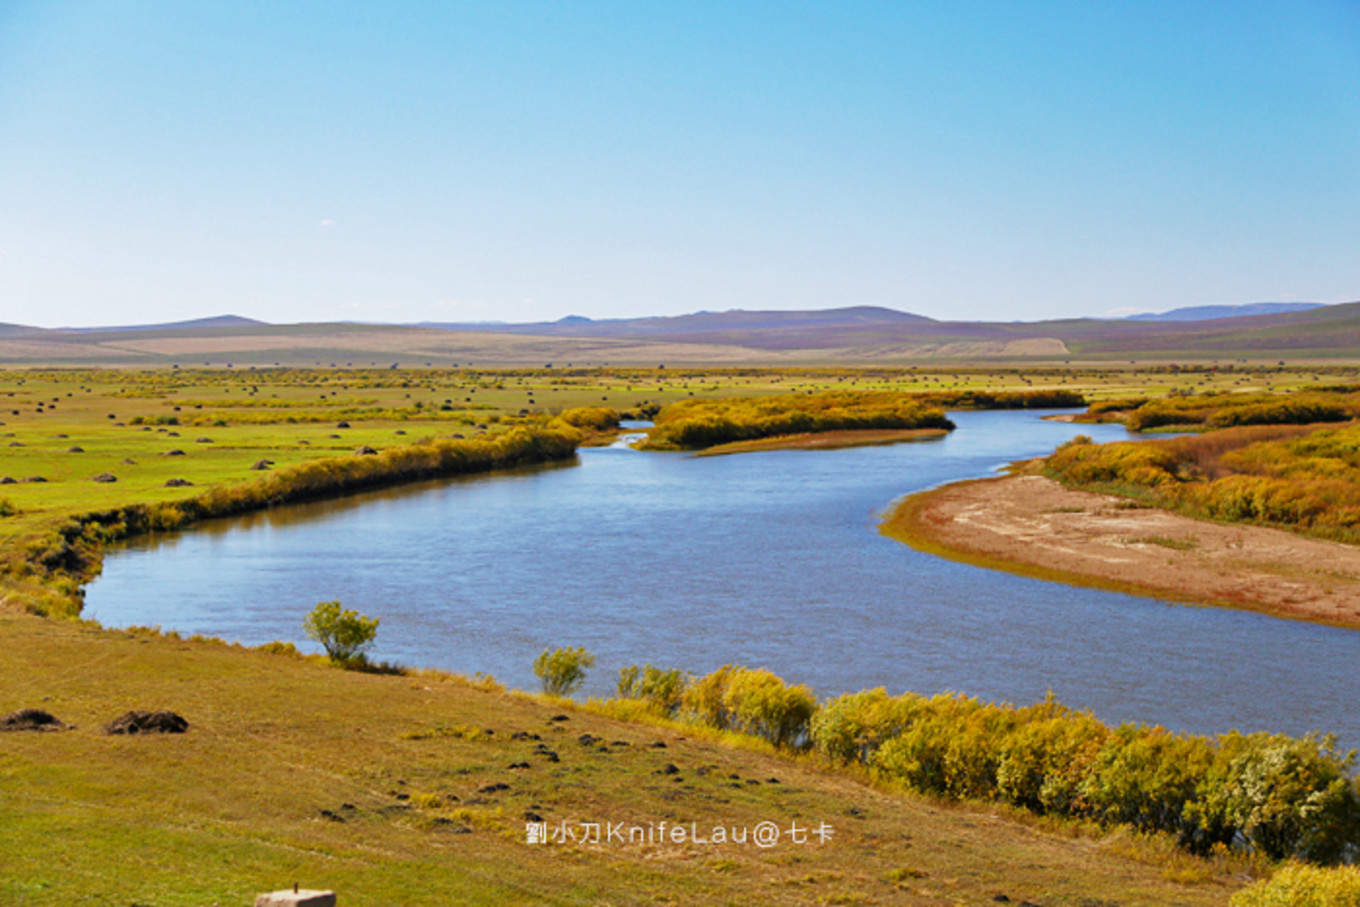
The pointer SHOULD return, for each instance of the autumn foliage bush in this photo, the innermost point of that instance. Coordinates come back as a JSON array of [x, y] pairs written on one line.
[[1277, 795], [695, 424], [1225, 410], [1305, 478]]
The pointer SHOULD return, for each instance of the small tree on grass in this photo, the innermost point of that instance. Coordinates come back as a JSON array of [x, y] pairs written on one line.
[[344, 634], [562, 671]]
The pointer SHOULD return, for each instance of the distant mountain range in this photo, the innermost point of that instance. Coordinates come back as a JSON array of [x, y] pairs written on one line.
[[855, 335], [1210, 312]]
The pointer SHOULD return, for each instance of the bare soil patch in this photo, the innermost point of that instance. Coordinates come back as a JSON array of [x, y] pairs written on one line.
[[1032, 525]]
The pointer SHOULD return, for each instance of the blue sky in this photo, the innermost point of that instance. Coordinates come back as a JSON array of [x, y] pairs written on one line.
[[525, 161]]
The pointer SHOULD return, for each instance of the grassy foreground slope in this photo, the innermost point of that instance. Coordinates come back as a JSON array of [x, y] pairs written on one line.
[[295, 771]]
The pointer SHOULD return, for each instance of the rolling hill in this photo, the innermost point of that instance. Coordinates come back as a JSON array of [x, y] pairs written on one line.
[[858, 335]]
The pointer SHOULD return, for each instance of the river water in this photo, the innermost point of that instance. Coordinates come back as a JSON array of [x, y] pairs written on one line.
[[766, 559]]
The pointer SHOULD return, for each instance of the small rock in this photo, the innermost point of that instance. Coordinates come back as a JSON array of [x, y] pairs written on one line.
[[260, 464], [342, 425], [76, 449], [203, 440], [668, 769], [364, 451], [105, 477], [173, 452], [177, 483]]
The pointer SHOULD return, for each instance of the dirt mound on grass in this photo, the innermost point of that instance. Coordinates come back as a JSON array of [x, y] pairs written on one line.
[[140, 722], [31, 720]]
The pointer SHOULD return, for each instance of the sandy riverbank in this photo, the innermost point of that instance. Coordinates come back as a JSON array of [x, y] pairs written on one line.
[[1034, 526]]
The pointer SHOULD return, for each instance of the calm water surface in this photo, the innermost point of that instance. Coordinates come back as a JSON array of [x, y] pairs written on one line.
[[767, 559]]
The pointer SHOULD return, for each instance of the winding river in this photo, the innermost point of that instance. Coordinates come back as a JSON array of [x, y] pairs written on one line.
[[766, 559]]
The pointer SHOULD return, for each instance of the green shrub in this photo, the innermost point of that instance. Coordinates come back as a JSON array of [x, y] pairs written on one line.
[[276, 647], [1146, 777], [754, 701], [762, 704], [595, 418], [344, 634], [1303, 478], [1288, 796], [1277, 795], [562, 671], [851, 728], [695, 424], [1297, 885], [1047, 756], [705, 700], [662, 689]]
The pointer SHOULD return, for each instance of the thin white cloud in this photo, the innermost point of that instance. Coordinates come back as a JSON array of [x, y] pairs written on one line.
[[326, 222]]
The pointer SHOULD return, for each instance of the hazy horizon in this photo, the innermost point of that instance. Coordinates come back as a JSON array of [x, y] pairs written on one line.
[[189, 319]]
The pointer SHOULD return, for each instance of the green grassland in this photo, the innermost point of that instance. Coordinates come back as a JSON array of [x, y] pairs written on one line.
[[291, 415], [234, 807]]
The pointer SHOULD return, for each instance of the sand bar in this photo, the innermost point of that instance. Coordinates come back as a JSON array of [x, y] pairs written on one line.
[[1034, 526]]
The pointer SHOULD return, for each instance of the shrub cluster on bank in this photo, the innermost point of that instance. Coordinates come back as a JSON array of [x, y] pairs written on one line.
[[1225, 410], [1047, 398], [1273, 794], [696, 424], [1300, 885], [1295, 477]]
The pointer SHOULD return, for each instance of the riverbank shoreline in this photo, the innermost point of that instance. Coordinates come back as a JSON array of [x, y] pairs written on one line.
[[1033, 526], [827, 440]]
